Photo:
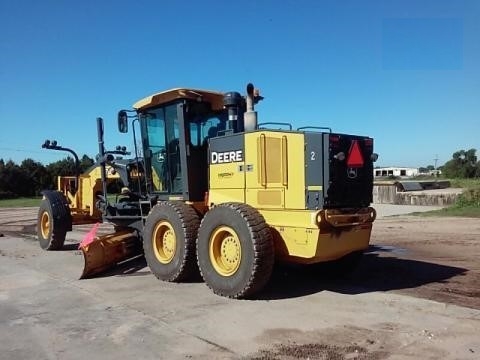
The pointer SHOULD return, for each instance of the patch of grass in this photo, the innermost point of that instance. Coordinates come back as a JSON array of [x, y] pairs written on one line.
[[460, 211], [464, 183], [20, 202], [467, 205], [454, 183]]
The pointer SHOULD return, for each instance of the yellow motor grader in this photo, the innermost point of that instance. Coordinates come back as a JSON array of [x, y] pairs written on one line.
[[216, 192]]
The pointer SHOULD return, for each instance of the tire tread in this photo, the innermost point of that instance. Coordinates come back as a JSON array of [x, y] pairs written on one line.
[[190, 222], [262, 247], [56, 206]]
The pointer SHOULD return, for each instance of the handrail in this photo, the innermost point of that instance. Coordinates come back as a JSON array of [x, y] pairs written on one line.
[[316, 128], [290, 127], [52, 145]]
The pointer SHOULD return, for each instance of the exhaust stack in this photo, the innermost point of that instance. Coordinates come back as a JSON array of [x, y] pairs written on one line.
[[250, 117], [232, 101]]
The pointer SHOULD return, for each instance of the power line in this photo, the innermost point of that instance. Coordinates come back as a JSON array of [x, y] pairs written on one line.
[[23, 150]]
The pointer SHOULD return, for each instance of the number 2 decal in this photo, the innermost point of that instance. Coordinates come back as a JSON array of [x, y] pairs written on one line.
[[313, 155]]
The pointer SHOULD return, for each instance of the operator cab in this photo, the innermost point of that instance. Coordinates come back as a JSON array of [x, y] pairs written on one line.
[[175, 128]]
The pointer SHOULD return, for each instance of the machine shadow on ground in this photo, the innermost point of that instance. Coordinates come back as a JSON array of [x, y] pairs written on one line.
[[376, 272], [133, 267], [136, 266], [379, 270], [69, 247]]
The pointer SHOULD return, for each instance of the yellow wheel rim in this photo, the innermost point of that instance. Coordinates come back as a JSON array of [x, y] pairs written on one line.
[[164, 242], [45, 225], [225, 251]]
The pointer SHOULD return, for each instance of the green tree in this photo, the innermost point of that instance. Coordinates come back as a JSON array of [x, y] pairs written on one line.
[[31, 177], [85, 163], [463, 164], [64, 167], [4, 193], [14, 181], [36, 174]]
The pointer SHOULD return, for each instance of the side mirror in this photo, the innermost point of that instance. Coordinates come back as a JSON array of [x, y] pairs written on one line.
[[122, 119]]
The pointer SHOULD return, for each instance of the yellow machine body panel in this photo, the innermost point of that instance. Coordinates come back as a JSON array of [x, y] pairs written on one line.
[[82, 194], [269, 173], [309, 238], [227, 176], [276, 179], [227, 183], [266, 170]]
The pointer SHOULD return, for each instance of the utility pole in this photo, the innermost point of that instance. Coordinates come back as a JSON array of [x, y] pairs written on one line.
[[436, 159]]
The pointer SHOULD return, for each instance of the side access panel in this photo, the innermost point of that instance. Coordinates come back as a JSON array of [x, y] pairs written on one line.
[[226, 169], [316, 178], [274, 170]]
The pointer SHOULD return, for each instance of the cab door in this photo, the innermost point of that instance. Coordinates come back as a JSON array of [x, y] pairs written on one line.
[[162, 150], [155, 152]]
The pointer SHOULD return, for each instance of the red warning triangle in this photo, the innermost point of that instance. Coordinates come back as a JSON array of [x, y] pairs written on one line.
[[355, 158]]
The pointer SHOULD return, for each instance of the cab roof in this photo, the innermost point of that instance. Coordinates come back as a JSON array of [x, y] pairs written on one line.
[[213, 97]]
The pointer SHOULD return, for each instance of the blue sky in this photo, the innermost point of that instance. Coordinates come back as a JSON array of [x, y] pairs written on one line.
[[404, 72]]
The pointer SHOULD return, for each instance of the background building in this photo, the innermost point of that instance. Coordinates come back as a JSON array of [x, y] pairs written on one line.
[[395, 171]]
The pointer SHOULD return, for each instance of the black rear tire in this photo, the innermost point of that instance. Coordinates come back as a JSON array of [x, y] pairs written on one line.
[[50, 231], [169, 241], [235, 250]]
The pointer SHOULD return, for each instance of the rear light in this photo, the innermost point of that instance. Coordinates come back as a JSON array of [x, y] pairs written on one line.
[[369, 142], [334, 141]]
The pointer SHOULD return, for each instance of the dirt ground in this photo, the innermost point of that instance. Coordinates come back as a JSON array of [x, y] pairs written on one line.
[[437, 258], [423, 257]]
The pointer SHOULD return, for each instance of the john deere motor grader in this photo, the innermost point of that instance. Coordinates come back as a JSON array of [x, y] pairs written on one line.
[[219, 193]]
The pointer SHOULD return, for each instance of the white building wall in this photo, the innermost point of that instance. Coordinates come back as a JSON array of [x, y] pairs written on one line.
[[395, 171]]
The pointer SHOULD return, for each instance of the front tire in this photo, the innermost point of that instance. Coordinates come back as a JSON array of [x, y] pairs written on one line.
[[50, 231], [169, 241], [235, 250]]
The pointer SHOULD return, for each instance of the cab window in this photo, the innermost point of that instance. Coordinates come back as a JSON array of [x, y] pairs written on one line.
[[203, 129]]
